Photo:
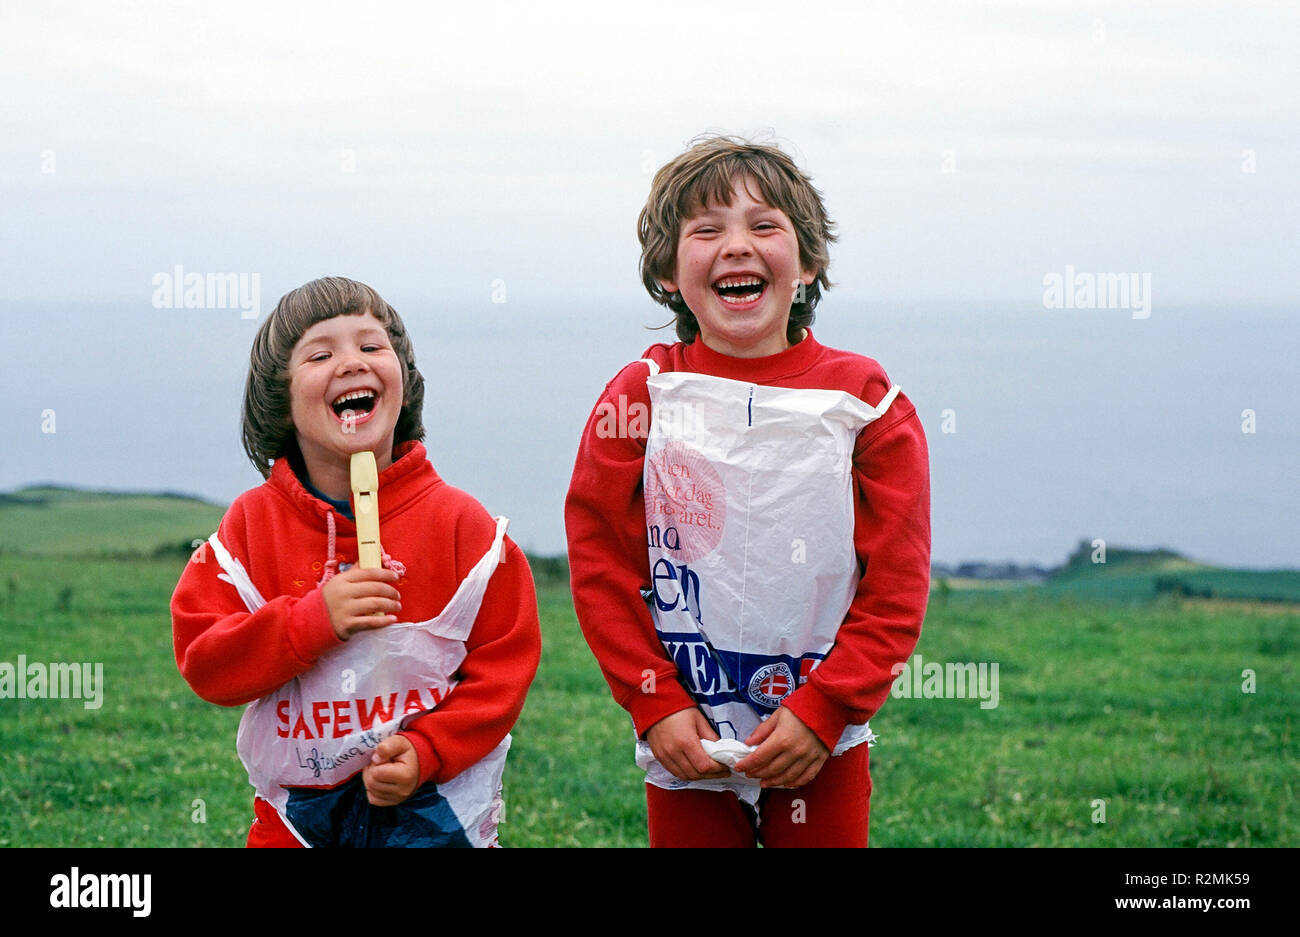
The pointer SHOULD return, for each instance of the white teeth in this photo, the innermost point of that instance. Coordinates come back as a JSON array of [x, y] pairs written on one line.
[[739, 281], [353, 395]]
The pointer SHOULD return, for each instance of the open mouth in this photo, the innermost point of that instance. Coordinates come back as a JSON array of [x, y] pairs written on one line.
[[355, 405], [740, 291]]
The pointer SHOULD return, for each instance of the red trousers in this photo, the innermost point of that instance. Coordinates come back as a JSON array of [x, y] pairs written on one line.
[[268, 830], [830, 811]]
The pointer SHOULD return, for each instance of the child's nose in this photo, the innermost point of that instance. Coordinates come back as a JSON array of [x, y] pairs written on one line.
[[736, 244], [349, 363]]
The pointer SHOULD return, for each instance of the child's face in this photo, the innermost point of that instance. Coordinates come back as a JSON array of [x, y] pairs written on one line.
[[725, 247], [335, 358]]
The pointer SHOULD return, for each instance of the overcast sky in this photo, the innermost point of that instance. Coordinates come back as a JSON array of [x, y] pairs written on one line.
[[434, 148], [455, 154]]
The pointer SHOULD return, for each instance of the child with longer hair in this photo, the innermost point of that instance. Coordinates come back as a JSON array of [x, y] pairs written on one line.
[[749, 637]]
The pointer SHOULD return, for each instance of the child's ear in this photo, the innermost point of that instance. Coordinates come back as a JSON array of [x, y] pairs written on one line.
[[808, 276], [669, 286]]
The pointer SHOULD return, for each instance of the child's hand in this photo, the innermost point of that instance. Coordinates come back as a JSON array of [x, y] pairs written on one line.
[[675, 741], [393, 773], [789, 753], [353, 598]]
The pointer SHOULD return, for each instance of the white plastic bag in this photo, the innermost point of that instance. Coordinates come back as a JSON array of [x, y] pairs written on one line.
[[749, 517], [305, 744]]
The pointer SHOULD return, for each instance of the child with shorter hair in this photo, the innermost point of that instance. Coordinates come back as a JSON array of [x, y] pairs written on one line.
[[748, 567], [381, 699]]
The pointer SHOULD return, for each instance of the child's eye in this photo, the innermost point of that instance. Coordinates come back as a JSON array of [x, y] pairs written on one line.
[[319, 356]]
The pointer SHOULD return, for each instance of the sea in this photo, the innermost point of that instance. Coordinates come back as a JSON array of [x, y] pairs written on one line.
[[1178, 429]]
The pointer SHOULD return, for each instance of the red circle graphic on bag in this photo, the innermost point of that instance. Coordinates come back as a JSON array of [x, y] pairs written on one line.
[[685, 502]]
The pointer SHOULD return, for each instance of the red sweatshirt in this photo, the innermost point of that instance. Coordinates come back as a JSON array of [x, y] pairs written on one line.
[[609, 565], [278, 531]]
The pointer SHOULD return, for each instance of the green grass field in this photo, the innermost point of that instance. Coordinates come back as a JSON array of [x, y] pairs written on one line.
[[63, 521], [1135, 708], [1127, 576]]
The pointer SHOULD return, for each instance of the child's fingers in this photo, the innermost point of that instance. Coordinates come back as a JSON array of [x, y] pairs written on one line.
[[679, 768], [383, 779], [701, 761], [675, 741], [372, 590], [695, 763], [368, 622], [704, 765], [809, 774], [691, 765], [765, 728], [379, 589], [689, 771], [758, 764], [380, 602], [784, 767], [356, 583], [370, 608], [383, 795], [388, 776], [389, 749], [782, 772], [771, 759], [792, 768], [678, 764], [390, 783], [787, 748], [798, 774], [357, 574], [703, 729]]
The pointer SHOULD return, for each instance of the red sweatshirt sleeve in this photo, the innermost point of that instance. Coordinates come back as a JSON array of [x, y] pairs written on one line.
[[604, 517], [228, 655], [501, 660], [892, 540]]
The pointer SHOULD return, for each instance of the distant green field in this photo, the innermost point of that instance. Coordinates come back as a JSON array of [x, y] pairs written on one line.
[[1137, 710], [50, 521], [1122, 584], [1129, 575]]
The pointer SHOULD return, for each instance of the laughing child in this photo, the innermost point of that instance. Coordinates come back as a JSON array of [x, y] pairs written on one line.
[[381, 699], [663, 559]]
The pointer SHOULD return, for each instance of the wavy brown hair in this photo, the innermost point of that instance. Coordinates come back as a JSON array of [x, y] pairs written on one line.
[[706, 173], [268, 426]]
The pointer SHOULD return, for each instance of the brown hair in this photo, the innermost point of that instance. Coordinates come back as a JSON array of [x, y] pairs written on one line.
[[706, 173], [268, 426]]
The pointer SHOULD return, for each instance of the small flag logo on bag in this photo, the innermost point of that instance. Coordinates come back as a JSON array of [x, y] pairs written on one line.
[[771, 684]]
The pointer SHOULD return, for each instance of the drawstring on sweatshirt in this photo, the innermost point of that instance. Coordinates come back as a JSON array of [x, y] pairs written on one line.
[[332, 564]]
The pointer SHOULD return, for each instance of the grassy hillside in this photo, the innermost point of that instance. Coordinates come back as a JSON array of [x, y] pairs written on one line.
[[1140, 707], [135, 771], [1174, 717], [1129, 575], [65, 521]]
